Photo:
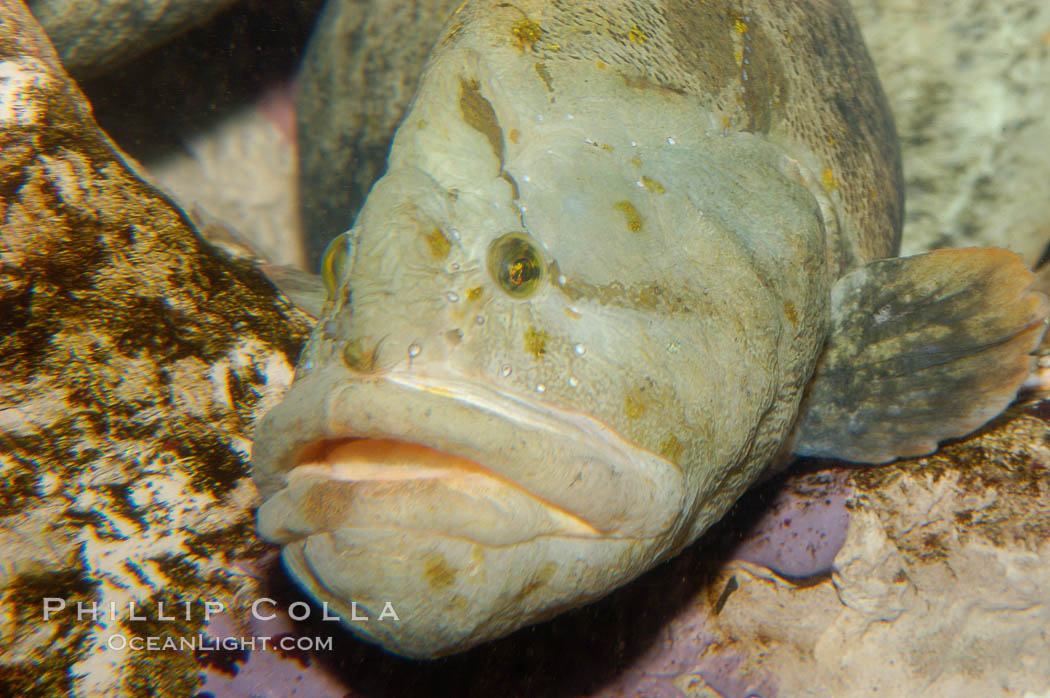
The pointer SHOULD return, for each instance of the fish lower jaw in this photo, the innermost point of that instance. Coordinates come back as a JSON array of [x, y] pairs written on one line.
[[461, 553]]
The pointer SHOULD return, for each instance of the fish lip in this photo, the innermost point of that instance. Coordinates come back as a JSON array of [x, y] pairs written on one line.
[[325, 463], [594, 481]]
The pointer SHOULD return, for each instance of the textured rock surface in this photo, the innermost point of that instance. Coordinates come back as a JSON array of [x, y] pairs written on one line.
[[802, 528], [134, 361], [253, 146], [969, 84], [220, 135], [91, 36], [941, 589]]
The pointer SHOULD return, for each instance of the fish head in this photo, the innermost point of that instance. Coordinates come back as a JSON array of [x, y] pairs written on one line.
[[560, 340]]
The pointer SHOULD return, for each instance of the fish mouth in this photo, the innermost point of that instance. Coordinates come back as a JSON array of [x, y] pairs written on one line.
[[471, 511], [356, 482], [411, 451]]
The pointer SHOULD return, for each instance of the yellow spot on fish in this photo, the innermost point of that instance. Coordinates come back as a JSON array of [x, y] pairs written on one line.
[[633, 406], [636, 35], [634, 219], [738, 54], [636, 161], [536, 342], [553, 47], [601, 65], [474, 294], [542, 578], [791, 313], [787, 38], [740, 26], [572, 313], [828, 180], [437, 572], [671, 448], [479, 114], [525, 33], [602, 146], [421, 124], [438, 243], [652, 186], [514, 135]]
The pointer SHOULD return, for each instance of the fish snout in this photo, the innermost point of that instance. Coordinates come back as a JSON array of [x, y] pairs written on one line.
[[467, 512]]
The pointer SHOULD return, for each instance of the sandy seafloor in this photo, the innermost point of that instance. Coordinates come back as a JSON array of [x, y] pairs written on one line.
[[914, 603]]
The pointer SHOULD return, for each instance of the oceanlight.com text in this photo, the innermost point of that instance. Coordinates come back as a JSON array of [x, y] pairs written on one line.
[[204, 643]]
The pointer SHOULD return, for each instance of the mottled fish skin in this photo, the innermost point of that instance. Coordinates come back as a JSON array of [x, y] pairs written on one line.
[[681, 183]]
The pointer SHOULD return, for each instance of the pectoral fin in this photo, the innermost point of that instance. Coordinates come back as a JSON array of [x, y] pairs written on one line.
[[304, 289], [922, 349]]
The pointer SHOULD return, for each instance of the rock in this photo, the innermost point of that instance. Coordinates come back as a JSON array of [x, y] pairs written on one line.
[[211, 115], [969, 85], [133, 362], [254, 147], [91, 36], [940, 589], [802, 529]]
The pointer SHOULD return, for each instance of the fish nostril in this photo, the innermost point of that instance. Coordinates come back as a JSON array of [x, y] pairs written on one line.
[[359, 357]]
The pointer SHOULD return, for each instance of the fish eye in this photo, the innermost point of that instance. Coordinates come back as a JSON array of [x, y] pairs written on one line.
[[516, 264], [334, 263]]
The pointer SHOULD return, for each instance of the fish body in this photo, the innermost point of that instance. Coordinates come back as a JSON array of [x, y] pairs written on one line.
[[622, 264]]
